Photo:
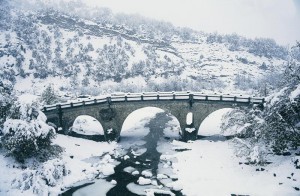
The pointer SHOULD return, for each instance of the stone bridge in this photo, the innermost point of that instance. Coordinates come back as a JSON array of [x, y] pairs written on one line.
[[111, 111]]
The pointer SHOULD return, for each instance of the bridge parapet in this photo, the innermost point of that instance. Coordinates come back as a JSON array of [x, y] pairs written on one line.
[[160, 96]]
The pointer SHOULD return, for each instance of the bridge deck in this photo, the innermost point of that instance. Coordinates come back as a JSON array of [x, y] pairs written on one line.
[[160, 96]]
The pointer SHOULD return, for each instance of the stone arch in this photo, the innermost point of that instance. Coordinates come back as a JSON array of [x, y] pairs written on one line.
[[126, 130], [118, 112], [202, 110], [66, 117], [211, 124]]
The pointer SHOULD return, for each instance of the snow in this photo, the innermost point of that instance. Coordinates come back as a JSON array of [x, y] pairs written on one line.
[[25, 129], [87, 125], [135, 173], [137, 189], [54, 170], [189, 118], [190, 130], [100, 187], [151, 192], [129, 169], [211, 124], [161, 176], [138, 152], [108, 170], [134, 124], [8, 174], [27, 99], [295, 93], [212, 168], [257, 155], [217, 61], [126, 157], [147, 173], [86, 161], [113, 182], [81, 160], [275, 97], [144, 181], [172, 129]]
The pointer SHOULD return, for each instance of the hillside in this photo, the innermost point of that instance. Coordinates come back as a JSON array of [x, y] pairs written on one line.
[[98, 54]]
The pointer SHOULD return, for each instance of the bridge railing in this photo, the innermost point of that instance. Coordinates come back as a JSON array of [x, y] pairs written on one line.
[[152, 96]]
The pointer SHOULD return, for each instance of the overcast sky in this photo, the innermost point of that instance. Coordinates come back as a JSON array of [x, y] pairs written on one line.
[[277, 19]]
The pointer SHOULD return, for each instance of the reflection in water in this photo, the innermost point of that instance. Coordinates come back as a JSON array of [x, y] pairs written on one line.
[[149, 160]]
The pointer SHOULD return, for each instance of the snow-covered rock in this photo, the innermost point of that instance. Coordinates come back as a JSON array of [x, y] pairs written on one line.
[[144, 181], [161, 176], [108, 169], [147, 173]]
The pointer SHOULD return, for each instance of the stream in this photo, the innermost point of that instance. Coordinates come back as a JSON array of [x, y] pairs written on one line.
[[141, 163]]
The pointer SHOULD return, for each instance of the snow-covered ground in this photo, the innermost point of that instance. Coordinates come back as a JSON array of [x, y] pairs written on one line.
[[211, 168], [204, 167], [83, 159]]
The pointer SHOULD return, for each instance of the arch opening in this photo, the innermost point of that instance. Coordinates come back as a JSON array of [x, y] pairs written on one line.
[[87, 125], [136, 127], [211, 125]]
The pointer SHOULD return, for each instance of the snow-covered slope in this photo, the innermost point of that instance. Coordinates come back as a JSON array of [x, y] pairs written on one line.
[[86, 55]]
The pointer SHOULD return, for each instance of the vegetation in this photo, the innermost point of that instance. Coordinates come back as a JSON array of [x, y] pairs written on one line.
[[277, 126], [25, 132], [6, 101], [49, 96], [74, 55]]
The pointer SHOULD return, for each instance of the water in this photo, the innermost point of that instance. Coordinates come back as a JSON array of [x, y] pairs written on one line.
[[149, 160]]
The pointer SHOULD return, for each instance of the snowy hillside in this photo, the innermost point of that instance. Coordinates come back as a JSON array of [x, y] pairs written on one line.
[[82, 54]]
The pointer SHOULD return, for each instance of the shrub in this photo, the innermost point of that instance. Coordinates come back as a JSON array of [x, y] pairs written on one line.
[[26, 131], [50, 173], [23, 139]]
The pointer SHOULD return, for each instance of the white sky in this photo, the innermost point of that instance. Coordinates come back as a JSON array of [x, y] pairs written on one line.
[[277, 19]]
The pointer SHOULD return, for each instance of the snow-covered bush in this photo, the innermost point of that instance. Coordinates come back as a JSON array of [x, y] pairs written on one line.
[[281, 117], [254, 152], [29, 179], [52, 171], [242, 122], [6, 100], [277, 125], [23, 139], [49, 174], [26, 131], [257, 154]]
